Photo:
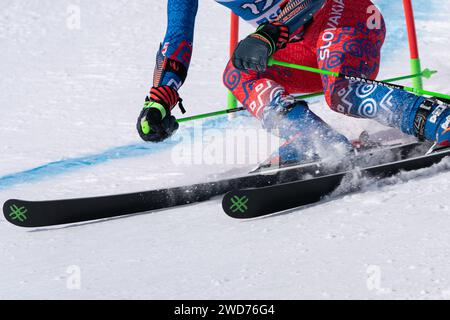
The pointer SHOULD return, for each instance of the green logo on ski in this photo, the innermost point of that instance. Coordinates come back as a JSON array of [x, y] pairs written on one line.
[[18, 213], [239, 204]]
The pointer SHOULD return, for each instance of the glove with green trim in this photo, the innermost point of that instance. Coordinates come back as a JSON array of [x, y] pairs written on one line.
[[155, 123]]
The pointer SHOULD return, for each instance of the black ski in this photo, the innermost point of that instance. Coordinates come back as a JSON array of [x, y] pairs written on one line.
[[257, 202], [56, 212]]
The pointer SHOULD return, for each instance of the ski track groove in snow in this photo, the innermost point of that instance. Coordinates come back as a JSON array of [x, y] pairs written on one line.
[[62, 82]]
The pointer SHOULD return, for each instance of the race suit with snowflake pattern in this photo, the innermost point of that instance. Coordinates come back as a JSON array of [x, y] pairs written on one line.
[[345, 36]]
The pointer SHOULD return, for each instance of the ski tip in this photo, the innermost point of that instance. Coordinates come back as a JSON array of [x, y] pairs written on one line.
[[16, 212], [237, 204]]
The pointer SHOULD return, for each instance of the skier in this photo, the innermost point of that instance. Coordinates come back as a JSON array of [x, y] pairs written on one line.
[[329, 34]]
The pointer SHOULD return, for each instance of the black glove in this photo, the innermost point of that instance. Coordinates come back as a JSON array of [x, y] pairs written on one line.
[[155, 123], [253, 52]]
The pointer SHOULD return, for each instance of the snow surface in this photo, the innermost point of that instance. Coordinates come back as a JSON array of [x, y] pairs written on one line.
[[70, 99]]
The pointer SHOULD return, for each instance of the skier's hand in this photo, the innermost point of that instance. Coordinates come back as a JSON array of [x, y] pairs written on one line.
[[253, 52], [155, 123]]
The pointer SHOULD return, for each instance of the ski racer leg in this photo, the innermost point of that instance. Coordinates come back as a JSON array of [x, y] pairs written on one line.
[[348, 44], [267, 95]]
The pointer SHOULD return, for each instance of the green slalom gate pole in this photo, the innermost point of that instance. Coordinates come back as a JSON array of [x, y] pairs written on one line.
[[232, 101], [413, 43], [368, 81]]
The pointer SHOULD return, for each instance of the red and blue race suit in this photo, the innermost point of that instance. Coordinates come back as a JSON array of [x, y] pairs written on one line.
[[345, 36]]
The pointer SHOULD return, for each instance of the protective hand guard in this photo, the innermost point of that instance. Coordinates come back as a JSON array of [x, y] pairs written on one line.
[[253, 52], [155, 123]]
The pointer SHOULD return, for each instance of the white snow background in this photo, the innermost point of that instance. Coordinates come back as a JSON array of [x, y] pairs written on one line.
[[72, 89]]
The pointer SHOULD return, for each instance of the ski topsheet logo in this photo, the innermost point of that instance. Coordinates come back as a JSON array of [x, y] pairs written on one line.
[[18, 213], [239, 204]]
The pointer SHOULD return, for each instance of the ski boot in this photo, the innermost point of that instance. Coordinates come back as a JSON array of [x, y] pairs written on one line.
[[308, 137], [431, 122]]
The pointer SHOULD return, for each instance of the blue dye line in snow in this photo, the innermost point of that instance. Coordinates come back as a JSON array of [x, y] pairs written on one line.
[[67, 165], [122, 152]]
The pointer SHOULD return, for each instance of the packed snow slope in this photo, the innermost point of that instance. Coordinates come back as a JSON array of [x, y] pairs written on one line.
[[74, 75]]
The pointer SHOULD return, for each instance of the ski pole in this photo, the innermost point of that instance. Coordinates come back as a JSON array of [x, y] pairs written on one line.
[[368, 81], [425, 73], [211, 114]]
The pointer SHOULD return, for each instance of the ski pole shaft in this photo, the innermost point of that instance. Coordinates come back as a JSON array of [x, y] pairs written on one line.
[[210, 114], [427, 73], [368, 81]]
